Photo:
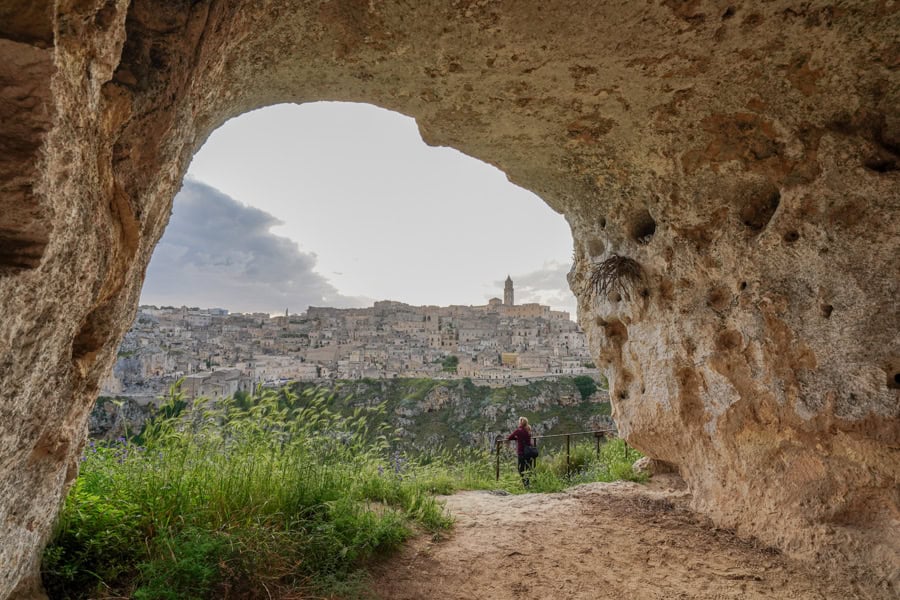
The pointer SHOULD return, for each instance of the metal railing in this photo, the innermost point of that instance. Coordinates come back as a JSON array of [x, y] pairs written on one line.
[[599, 434]]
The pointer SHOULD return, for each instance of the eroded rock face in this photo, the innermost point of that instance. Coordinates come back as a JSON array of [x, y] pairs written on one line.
[[744, 155]]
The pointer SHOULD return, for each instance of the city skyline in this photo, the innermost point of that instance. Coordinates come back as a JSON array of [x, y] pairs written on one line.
[[342, 205], [506, 300], [219, 353]]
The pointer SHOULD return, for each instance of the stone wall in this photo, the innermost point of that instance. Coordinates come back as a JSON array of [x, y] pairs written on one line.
[[744, 155]]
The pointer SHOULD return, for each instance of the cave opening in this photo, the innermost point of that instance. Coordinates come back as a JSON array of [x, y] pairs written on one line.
[[139, 82], [267, 223], [338, 204]]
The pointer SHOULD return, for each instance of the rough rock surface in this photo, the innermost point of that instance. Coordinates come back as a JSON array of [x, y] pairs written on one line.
[[651, 466], [110, 419], [743, 154]]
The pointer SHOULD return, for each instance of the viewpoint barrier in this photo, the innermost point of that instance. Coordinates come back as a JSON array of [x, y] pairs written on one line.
[[599, 434]]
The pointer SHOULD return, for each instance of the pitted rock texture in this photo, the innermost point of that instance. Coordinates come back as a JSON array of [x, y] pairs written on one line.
[[744, 155]]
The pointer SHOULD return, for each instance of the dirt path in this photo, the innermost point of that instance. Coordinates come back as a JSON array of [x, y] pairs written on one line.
[[623, 541]]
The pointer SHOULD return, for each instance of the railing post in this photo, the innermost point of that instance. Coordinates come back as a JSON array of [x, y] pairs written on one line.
[[597, 439], [499, 442], [568, 455]]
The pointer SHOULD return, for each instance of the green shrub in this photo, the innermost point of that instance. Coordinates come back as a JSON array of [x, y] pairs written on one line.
[[450, 364], [184, 566], [586, 386]]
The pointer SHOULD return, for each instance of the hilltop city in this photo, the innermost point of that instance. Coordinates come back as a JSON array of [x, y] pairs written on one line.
[[219, 353]]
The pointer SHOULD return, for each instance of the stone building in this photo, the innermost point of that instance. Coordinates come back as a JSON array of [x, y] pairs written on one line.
[[221, 383], [508, 297]]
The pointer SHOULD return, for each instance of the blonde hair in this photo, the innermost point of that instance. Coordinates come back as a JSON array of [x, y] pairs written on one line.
[[523, 422]]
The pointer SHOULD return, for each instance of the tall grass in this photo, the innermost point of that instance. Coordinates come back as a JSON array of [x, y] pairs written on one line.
[[251, 501], [446, 471], [266, 496]]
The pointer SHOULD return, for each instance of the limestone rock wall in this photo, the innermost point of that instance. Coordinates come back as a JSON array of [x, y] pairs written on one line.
[[743, 155]]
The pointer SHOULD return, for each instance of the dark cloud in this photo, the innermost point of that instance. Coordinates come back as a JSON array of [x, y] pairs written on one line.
[[547, 285], [219, 252]]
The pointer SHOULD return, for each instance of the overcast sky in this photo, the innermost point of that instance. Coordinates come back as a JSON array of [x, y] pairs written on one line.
[[338, 204]]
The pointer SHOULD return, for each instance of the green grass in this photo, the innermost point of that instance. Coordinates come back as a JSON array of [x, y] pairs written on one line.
[[282, 495], [445, 472], [272, 495]]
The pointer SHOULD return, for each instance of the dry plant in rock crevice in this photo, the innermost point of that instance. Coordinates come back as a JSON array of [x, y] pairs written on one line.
[[616, 274]]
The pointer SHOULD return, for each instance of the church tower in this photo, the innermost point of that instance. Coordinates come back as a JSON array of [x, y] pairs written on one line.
[[508, 292]]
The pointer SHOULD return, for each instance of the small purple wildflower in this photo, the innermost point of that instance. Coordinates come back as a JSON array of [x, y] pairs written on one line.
[[397, 461]]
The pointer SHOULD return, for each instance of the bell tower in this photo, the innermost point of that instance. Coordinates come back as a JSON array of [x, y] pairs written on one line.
[[508, 292]]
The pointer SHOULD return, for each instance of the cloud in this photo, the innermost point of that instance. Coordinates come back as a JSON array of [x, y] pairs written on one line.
[[217, 252], [547, 285]]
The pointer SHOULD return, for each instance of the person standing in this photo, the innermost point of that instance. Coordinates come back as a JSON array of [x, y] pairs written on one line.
[[522, 436]]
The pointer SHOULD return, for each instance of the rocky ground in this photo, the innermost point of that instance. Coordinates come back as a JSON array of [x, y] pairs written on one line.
[[619, 540]]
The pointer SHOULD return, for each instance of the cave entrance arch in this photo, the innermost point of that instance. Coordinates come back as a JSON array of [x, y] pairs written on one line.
[[761, 142], [360, 209]]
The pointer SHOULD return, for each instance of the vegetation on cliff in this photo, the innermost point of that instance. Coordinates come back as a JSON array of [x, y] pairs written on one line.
[[440, 414], [272, 495]]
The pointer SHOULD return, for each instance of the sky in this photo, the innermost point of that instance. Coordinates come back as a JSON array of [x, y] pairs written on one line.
[[340, 204]]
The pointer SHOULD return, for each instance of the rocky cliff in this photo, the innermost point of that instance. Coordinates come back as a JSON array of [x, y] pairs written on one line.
[[729, 170]]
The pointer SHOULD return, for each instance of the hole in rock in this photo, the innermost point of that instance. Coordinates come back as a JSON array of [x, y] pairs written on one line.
[[743, 285], [642, 227], [759, 209], [893, 373], [827, 309], [791, 236], [23, 235], [91, 337], [881, 164], [105, 17], [616, 332]]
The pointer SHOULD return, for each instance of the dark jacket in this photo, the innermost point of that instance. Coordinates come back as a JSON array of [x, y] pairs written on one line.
[[522, 437]]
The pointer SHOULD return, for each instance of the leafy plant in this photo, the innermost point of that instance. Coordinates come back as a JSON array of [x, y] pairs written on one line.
[[586, 386], [450, 364]]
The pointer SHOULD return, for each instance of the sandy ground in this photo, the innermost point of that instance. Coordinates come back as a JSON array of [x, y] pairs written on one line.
[[621, 540]]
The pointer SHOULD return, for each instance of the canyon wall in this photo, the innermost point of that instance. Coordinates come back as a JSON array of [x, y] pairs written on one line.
[[729, 171]]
